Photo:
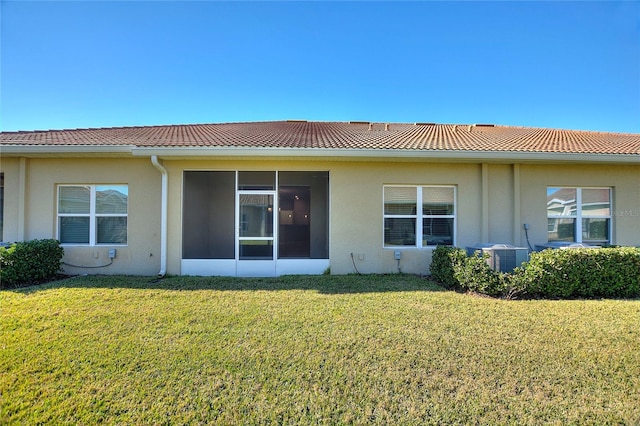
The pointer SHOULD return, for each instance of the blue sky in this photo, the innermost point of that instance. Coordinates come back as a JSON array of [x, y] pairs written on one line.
[[573, 65]]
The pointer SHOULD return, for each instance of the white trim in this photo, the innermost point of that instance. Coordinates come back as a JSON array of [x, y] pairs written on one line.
[[419, 216], [578, 216], [208, 267], [229, 267], [92, 215], [319, 153], [385, 154], [256, 268]]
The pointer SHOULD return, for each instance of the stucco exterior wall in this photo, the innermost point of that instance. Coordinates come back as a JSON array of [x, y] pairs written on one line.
[[493, 203], [141, 254], [624, 181], [13, 216]]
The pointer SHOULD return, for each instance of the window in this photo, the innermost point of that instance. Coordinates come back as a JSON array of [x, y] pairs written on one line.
[[581, 215], [419, 216], [92, 214]]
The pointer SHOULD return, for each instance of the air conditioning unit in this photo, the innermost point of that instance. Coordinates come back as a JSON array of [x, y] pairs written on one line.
[[554, 245], [502, 257]]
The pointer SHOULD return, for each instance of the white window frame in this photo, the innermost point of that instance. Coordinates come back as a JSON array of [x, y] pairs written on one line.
[[92, 215], [578, 216], [419, 216]]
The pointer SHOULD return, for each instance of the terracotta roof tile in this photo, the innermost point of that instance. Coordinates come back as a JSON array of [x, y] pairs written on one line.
[[340, 135]]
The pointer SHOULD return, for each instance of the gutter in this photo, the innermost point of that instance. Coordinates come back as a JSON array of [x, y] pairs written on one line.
[[163, 216], [387, 154]]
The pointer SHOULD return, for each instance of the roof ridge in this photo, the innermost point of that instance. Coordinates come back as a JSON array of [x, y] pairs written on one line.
[[300, 121]]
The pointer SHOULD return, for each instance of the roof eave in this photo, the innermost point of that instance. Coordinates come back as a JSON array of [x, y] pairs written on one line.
[[64, 150], [385, 154]]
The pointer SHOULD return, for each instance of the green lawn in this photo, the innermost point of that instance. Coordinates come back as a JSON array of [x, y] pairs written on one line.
[[311, 350]]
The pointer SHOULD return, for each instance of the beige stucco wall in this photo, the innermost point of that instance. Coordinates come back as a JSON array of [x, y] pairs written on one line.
[[141, 256], [494, 201], [12, 198], [624, 180]]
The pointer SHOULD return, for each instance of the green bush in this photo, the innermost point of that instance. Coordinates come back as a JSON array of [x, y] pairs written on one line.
[[451, 267], [29, 262], [605, 272], [442, 266], [475, 274]]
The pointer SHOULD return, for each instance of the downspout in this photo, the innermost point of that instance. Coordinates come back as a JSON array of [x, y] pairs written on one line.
[[163, 216]]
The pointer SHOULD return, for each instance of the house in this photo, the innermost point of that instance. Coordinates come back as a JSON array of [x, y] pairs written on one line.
[[296, 197]]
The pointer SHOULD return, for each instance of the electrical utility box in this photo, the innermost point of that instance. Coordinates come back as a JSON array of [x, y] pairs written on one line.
[[502, 257]]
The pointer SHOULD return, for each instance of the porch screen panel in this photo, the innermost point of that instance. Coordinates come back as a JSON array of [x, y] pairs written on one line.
[[208, 220], [303, 216]]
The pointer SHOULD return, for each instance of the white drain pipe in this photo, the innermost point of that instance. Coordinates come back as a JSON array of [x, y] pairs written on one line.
[[163, 216]]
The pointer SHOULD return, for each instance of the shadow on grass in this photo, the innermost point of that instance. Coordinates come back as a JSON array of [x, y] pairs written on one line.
[[325, 284]]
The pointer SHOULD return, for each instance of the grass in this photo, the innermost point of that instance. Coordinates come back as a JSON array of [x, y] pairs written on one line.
[[311, 350]]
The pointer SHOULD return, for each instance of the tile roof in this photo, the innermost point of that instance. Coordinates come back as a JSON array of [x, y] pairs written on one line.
[[339, 135]]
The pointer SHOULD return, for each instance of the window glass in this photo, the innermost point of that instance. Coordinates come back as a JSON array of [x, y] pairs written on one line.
[[256, 215], [412, 223], [74, 229], [437, 201], [561, 229], [112, 230], [437, 231], [561, 201], [595, 230], [400, 200], [92, 214], [74, 199], [579, 214], [111, 199], [595, 202], [399, 232]]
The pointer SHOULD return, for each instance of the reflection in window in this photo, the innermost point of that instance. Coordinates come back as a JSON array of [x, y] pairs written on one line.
[[579, 214], [92, 214]]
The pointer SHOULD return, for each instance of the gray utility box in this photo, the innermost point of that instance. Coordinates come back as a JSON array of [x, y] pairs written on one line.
[[563, 245], [502, 257]]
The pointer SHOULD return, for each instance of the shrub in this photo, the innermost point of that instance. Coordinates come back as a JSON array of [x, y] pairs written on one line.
[[605, 272], [29, 262], [442, 266], [451, 267], [475, 274]]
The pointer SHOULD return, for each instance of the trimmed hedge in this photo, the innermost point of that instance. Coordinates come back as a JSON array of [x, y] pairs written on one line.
[[605, 272], [444, 261], [29, 262]]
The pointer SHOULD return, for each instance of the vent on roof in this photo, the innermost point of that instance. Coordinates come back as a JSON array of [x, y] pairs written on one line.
[[296, 121], [359, 122], [425, 124], [484, 125]]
